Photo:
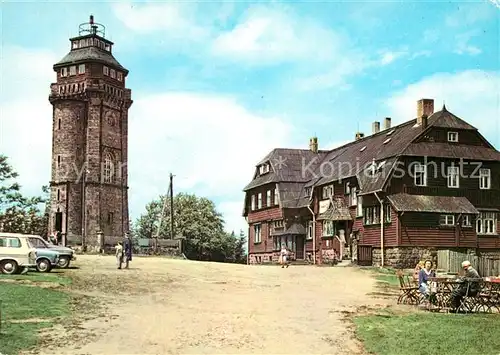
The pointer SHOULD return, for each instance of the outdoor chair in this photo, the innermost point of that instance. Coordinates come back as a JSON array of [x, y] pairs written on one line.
[[472, 302], [408, 291]]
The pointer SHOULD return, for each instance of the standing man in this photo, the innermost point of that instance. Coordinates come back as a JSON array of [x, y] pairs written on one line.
[[127, 250]]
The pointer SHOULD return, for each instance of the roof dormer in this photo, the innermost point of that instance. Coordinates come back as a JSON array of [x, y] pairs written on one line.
[[264, 168]]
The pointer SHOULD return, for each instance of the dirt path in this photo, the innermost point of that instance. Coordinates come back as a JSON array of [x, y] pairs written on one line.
[[164, 306]]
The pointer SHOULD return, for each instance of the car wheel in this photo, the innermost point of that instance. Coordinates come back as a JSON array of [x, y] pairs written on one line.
[[8, 267], [43, 265], [63, 262]]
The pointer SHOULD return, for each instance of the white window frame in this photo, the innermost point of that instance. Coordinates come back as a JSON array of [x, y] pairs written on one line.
[[371, 215], [105, 70], [72, 70], [328, 229], [276, 197], [257, 233], [119, 76], [279, 223], [81, 69], [327, 192], [453, 137], [259, 201], [453, 177], [252, 202], [447, 220], [268, 198], [417, 170], [484, 179], [112, 73], [353, 197], [387, 213], [108, 169], [310, 231], [466, 220], [486, 223], [359, 207], [64, 72]]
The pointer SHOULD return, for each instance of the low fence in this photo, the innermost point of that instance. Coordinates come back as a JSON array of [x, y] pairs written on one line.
[[148, 246], [451, 261]]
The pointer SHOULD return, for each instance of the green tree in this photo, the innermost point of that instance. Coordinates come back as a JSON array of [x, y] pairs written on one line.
[[18, 213], [196, 219]]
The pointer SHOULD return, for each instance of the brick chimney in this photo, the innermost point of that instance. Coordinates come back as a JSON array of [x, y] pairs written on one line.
[[313, 144], [359, 135], [423, 121], [387, 123], [425, 107], [375, 127]]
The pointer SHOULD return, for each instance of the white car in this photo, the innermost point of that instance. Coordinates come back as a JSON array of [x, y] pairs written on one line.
[[15, 254]]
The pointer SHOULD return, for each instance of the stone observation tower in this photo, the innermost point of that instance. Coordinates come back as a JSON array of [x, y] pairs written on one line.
[[88, 187]]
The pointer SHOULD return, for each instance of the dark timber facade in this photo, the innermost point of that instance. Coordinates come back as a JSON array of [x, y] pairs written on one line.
[[394, 197]]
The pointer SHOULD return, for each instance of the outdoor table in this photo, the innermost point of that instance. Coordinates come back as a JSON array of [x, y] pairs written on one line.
[[441, 290], [486, 300]]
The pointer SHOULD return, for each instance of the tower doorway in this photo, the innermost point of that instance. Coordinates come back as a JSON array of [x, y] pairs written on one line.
[[58, 222]]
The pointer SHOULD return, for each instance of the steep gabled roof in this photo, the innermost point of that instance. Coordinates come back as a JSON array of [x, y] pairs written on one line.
[[446, 119], [305, 169], [381, 148], [286, 166]]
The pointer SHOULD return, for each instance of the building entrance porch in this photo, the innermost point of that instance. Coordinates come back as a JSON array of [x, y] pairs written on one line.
[[294, 243]]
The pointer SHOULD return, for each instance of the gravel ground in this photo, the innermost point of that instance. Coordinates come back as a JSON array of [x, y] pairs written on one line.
[[167, 306]]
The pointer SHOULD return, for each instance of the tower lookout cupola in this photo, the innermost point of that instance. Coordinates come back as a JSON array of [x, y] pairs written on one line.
[[89, 181]]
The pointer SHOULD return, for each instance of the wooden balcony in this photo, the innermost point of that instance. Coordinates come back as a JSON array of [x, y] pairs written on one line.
[[479, 198]]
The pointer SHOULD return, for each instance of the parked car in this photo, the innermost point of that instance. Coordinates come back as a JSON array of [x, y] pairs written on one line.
[[66, 255], [15, 254], [46, 258]]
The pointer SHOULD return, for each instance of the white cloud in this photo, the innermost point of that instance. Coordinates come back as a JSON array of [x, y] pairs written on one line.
[[26, 114], [462, 43], [274, 35], [177, 19], [210, 143], [471, 95]]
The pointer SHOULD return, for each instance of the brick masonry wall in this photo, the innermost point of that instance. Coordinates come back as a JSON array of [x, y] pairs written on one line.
[[402, 257], [76, 143]]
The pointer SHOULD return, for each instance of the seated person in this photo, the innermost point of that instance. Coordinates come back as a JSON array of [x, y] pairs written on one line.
[[423, 278], [416, 271], [467, 287]]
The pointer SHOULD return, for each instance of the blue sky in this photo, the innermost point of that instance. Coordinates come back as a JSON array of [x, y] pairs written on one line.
[[218, 85]]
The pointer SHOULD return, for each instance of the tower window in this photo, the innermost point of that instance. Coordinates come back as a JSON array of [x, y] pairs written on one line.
[[58, 195], [105, 70], [64, 72], [108, 168], [110, 217], [81, 69], [59, 123], [119, 76], [107, 47], [58, 160], [113, 73], [74, 45]]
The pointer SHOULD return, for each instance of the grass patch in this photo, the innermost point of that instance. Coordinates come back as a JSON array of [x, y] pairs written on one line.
[[27, 309], [392, 280], [429, 334], [54, 277]]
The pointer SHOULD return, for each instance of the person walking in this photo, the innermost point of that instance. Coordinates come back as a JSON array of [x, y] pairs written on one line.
[[127, 250], [119, 255], [284, 256]]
